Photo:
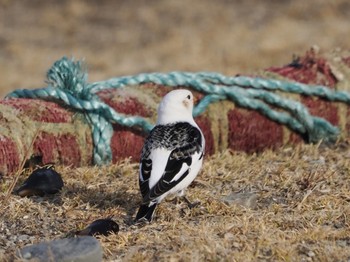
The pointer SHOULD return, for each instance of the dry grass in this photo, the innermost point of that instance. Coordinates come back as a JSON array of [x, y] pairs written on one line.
[[295, 207], [296, 201]]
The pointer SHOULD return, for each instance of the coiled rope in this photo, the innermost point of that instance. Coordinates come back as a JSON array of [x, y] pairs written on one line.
[[67, 82]]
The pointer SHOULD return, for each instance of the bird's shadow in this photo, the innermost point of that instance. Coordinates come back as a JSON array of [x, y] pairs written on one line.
[[127, 201]]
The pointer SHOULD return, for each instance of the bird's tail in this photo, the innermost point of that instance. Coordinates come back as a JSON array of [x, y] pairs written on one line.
[[146, 211]]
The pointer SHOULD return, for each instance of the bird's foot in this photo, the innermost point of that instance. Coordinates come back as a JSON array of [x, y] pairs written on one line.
[[141, 222], [190, 204]]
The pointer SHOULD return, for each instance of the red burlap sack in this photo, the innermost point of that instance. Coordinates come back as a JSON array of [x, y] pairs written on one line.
[[64, 136]]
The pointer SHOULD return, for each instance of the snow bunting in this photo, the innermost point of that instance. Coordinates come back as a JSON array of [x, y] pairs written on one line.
[[172, 154]]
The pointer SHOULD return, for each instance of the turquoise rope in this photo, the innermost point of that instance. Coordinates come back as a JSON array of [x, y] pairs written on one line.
[[67, 82]]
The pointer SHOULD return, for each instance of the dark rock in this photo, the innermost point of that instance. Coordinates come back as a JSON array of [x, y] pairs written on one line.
[[100, 227], [42, 181]]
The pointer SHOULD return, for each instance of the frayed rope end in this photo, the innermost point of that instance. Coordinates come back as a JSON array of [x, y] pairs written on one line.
[[70, 75]]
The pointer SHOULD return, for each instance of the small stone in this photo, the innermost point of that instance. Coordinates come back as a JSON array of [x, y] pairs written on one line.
[[8, 244], [341, 243], [245, 199], [311, 253], [236, 245], [229, 236], [23, 237], [78, 249], [27, 255], [32, 238], [13, 238]]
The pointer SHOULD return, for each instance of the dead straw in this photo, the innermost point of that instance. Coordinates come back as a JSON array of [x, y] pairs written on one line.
[[21, 167]]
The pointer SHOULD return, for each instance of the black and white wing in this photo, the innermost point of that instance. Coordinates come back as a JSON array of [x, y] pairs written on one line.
[[167, 156]]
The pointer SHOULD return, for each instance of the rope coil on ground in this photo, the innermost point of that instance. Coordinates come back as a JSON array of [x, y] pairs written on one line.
[[67, 82]]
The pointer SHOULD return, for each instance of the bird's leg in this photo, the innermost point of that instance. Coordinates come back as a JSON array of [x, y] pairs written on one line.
[[189, 204], [181, 194]]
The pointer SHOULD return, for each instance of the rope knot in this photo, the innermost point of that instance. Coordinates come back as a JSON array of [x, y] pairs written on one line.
[[69, 75]]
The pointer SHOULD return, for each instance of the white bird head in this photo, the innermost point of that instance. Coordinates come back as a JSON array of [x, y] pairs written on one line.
[[176, 106]]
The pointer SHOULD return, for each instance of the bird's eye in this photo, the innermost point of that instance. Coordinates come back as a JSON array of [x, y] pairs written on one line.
[[188, 97]]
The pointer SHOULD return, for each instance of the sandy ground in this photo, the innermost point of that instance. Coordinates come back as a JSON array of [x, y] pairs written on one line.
[[127, 37]]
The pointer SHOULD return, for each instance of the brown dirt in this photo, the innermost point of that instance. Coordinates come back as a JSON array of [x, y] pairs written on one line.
[[294, 204]]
